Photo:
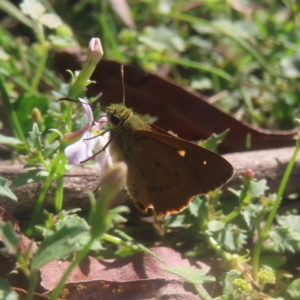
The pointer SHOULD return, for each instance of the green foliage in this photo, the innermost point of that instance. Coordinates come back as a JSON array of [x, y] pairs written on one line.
[[6, 292], [196, 276], [5, 190], [245, 59]]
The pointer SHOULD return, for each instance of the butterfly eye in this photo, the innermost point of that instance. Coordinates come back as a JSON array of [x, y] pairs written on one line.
[[114, 120]]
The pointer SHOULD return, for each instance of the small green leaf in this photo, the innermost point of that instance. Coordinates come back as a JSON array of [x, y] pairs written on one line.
[[282, 240], [29, 177], [293, 290], [195, 276], [57, 246], [9, 141], [227, 282], [292, 222], [258, 188], [82, 238], [10, 238], [6, 292], [50, 149], [215, 225], [213, 142], [5, 190], [35, 138]]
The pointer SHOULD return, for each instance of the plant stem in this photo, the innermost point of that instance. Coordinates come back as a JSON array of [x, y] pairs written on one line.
[[264, 232], [39, 70], [60, 183], [43, 193], [33, 280], [12, 116]]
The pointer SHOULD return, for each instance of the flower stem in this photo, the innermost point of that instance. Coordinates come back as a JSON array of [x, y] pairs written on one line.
[[43, 192], [262, 234]]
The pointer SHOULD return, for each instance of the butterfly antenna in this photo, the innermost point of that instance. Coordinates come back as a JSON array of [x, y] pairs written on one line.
[[123, 84]]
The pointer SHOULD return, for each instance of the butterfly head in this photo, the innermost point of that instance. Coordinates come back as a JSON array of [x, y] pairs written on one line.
[[117, 114]]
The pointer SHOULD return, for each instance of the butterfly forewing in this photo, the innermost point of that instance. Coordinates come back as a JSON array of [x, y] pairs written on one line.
[[166, 172]]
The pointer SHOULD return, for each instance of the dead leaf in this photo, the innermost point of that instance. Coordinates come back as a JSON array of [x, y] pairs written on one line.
[[22, 295], [185, 112], [140, 271], [122, 8], [150, 289]]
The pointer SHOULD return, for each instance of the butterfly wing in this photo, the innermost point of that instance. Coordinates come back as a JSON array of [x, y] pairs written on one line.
[[170, 171]]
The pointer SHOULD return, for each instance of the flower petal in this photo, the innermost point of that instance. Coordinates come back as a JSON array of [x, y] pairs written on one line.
[[99, 124], [81, 150], [73, 137], [103, 159], [87, 109]]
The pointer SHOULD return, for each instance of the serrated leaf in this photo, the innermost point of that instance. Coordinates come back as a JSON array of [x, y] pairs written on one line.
[[194, 206], [29, 177], [5, 190], [283, 240], [175, 221], [10, 238], [195, 276], [248, 213], [293, 289], [50, 149], [213, 142], [215, 225], [82, 238], [231, 237], [6, 292], [228, 287], [292, 223], [9, 141], [57, 246], [258, 188], [35, 138]]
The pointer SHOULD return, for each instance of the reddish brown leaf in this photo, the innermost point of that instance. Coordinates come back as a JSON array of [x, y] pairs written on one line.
[[150, 289], [186, 113], [136, 268], [22, 295], [6, 216]]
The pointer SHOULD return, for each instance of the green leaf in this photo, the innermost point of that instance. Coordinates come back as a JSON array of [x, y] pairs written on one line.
[[35, 138], [231, 237], [282, 240], [6, 292], [273, 260], [213, 142], [24, 107], [29, 177], [195, 206], [57, 246], [82, 238], [215, 225], [9, 141], [10, 238], [195, 276], [50, 149], [293, 290], [286, 236], [228, 287], [291, 222], [258, 188], [5, 190]]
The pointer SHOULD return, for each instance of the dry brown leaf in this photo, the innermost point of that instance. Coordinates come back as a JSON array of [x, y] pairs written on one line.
[[140, 271]]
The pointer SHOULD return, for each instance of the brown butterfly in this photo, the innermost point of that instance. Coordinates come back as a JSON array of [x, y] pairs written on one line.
[[164, 172]]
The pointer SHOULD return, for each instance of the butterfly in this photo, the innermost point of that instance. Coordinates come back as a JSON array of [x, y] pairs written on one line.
[[164, 171]]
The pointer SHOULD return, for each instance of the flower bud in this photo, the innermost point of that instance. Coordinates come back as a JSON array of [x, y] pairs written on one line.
[[95, 51]]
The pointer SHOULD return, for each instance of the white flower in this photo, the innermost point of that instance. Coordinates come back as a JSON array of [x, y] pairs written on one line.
[[83, 142]]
